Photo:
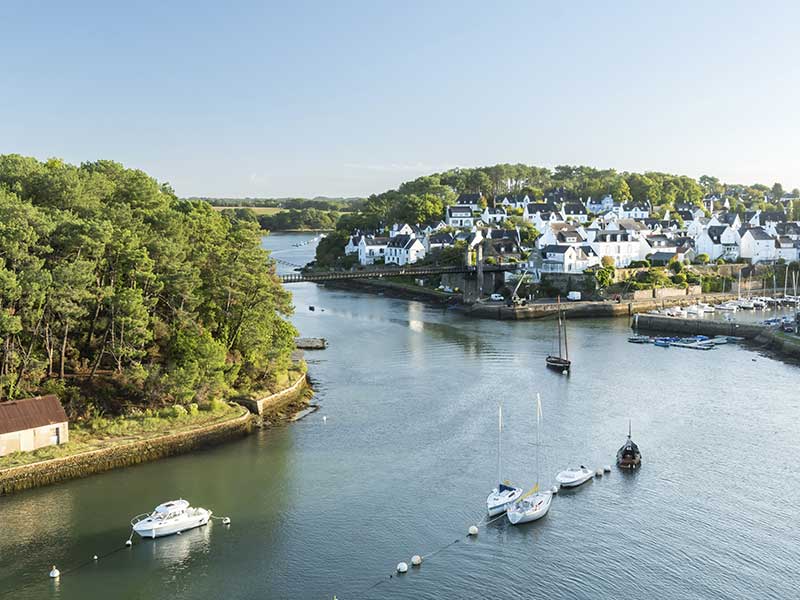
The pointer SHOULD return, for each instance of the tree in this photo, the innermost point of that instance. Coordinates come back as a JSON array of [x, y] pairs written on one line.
[[607, 261], [702, 259], [777, 191]]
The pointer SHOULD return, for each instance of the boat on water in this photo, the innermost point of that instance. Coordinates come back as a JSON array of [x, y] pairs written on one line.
[[560, 363], [573, 477], [534, 504], [504, 494], [629, 456], [664, 342], [169, 518], [640, 339], [729, 306]]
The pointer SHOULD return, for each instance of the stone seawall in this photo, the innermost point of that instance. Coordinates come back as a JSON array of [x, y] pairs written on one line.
[[15, 479], [274, 401], [711, 328]]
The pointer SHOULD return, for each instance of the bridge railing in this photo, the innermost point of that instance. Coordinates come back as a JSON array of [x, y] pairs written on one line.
[[394, 272]]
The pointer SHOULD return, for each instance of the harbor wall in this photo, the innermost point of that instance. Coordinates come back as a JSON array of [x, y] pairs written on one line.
[[274, 401], [15, 479], [711, 328]]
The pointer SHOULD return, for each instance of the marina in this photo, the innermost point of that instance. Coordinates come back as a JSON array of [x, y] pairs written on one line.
[[302, 486]]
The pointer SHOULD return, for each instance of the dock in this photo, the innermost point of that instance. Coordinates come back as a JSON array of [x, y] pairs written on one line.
[[308, 343], [689, 327]]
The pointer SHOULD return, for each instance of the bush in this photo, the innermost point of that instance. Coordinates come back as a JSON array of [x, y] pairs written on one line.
[[675, 266], [702, 259], [607, 261], [193, 409], [679, 279], [720, 261], [638, 264]]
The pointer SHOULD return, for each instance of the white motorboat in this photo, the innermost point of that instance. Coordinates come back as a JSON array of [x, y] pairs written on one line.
[[535, 504], [727, 307], [694, 309], [574, 477], [707, 308], [745, 304], [168, 518], [504, 494]]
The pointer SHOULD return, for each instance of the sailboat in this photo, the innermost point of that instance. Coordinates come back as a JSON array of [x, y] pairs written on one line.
[[561, 362], [629, 457], [534, 504], [505, 493]]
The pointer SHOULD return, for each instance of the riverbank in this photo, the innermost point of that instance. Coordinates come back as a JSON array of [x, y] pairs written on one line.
[[393, 289], [112, 444]]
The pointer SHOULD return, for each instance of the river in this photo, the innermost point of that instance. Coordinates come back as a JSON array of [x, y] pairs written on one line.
[[404, 461]]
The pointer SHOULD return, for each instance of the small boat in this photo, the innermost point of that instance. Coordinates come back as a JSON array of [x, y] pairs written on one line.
[[640, 339], [629, 456], [560, 363], [694, 309], [169, 518], [664, 342], [727, 306], [534, 504], [504, 494], [574, 477]]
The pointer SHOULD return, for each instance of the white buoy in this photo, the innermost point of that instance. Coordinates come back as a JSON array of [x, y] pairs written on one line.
[[473, 530], [416, 560], [402, 567], [54, 573], [128, 542], [598, 472], [565, 372], [178, 532], [226, 521], [554, 489], [607, 468], [325, 419], [94, 557]]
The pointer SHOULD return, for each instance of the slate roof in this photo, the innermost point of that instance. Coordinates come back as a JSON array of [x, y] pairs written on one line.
[[715, 231], [459, 211], [468, 199]]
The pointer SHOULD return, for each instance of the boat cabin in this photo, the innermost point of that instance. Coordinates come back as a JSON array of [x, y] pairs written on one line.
[[32, 423]]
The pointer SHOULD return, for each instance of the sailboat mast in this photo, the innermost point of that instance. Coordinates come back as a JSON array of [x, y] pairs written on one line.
[[559, 326], [538, 418], [499, 444], [566, 347]]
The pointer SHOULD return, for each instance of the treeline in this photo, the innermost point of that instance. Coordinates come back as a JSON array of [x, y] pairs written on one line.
[[308, 218], [115, 292], [320, 203]]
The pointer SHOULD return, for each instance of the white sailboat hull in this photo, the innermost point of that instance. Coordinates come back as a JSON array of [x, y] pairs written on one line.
[[498, 502], [530, 509]]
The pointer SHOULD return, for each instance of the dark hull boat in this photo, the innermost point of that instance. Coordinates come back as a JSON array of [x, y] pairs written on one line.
[[560, 363], [629, 456]]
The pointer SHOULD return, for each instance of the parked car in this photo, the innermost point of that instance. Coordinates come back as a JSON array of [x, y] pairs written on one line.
[[496, 297], [574, 296]]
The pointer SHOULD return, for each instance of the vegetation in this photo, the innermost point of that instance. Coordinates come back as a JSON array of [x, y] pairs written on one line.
[[300, 219], [116, 294]]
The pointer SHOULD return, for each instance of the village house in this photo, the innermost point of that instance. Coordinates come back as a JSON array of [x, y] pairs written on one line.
[[32, 423], [786, 248], [492, 216], [757, 245], [635, 210], [568, 259], [437, 241], [605, 204], [719, 241], [371, 249], [404, 249], [459, 216], [622, 245], [507, 201], [402, 229], [352, 244], [473, 201], [575, 211]]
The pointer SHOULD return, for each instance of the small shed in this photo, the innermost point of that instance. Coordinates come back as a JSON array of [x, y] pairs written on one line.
[[32, 423]]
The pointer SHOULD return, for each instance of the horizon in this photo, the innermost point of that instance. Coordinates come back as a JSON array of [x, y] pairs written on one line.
[[352, 100]]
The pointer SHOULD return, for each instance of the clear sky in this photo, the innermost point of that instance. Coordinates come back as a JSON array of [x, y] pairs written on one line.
[[247, 98]]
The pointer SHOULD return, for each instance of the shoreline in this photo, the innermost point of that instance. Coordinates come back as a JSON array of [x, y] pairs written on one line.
[[402, 291], [280, 406]]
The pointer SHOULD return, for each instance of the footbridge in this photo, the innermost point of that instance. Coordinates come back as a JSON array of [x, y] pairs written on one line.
[[397, 271]]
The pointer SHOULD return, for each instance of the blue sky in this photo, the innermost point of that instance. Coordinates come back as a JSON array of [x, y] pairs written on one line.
[[349, 98]]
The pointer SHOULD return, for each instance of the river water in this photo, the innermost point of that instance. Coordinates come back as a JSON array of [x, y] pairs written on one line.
[[408, 454]]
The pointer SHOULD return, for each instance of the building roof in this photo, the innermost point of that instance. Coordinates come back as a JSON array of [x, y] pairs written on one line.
[[376, 241], [468, 199], [441, 238], [19, 415], [715, 231], [574, 208], [759, 234], [399, 241], [459, 211]]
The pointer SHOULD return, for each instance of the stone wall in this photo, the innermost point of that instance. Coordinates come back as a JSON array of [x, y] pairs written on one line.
[[15, 479], [259, 405]]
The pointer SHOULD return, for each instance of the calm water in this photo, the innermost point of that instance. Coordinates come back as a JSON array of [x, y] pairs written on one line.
[[407, 457]]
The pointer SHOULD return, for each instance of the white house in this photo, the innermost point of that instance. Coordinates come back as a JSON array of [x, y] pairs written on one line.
[[543, 220], [786, 248], [511, 200], [437, 241], [459, 216], [404, 250], [352, 244], [622, 245], [719, 241], [32, 423], [568, 259], [398, 229], [635, 210], [574, 211], [370, 249], [471, 200], [757, 246], [492, 216], [605, 204], [561, 234]]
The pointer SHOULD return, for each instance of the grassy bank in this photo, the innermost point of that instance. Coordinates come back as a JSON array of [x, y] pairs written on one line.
[[102, 432]]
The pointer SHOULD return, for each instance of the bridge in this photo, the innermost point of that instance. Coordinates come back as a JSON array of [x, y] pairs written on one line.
[[395, 272]]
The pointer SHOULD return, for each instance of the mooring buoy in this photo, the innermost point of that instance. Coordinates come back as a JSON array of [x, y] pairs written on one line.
[[473, 530], [402, 567], [416, 560]]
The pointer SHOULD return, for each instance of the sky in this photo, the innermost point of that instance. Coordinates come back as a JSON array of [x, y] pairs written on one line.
[[273, 99]]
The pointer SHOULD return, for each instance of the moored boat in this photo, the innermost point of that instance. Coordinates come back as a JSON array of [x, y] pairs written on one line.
[[504, 494], [629, 456], [560, 363], [640, 339], [168, 518], [573, 477]]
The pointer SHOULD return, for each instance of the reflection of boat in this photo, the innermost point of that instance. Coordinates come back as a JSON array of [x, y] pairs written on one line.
[[534, 504], [561, 362], [505, 493], [574, 477], [629, 457], [168, 518]]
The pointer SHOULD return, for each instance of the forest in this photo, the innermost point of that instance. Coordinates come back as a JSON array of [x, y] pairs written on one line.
[[115, 293]]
